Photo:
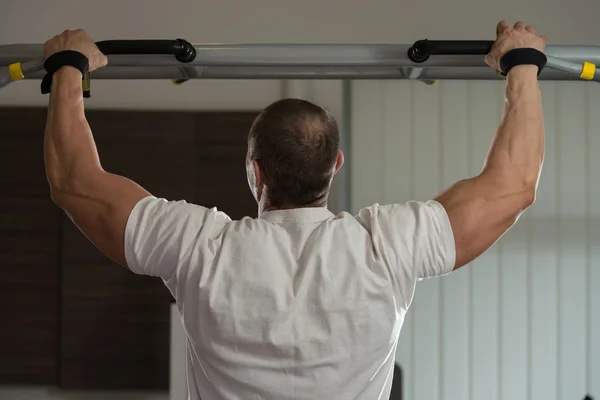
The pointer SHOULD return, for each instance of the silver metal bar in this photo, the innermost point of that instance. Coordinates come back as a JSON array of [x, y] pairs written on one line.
[[305, 61], [302, 54], [575, 53], [33, 66], [565, 66], [224, 72], [569, 67], [28, 68], [4, 78], [366, 55]]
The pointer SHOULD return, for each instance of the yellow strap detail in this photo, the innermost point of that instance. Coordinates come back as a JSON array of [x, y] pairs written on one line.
[[85, 82], [15, 71], [588, 71]]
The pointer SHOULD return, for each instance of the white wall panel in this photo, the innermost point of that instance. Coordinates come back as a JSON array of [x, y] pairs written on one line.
[[484, 116], [427, 166], [570, 109], [455, 333], [593, 267], [398, 153], [543, 335], [523, 320]]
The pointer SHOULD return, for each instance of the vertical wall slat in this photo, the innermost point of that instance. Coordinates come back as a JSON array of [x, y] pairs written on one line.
[[367, 137], [513, 312], [426, 310], [544, 264], [572, 248], [455, 334], [398, 156], [593, 284], [397, 153], [484, 335]]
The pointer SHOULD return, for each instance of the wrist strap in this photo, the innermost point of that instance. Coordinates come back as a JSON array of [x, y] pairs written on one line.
[[62, 59], [525, 56]]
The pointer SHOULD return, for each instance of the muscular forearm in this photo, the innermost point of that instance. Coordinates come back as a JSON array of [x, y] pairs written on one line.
[[481, 209], [517, 151], [69, 149]]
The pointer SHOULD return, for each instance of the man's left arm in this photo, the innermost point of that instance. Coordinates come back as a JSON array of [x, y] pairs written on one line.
[[150, 236], [98, 202]]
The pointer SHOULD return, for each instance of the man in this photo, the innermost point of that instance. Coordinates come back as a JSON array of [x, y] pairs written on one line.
[[297, 303]]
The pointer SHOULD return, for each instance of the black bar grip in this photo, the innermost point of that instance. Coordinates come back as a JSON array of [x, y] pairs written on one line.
[[183, 50], [421, 50]]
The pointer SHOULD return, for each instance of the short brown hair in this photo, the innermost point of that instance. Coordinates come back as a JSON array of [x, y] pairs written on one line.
[[295, 142]]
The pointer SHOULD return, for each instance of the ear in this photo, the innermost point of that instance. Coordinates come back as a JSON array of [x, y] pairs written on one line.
[[339, 162], [258, 175]]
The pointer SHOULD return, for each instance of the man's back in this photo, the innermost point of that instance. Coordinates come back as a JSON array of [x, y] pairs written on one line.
[[297, 304]]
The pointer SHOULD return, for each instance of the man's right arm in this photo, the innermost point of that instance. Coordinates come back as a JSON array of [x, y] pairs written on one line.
[[483, 208]]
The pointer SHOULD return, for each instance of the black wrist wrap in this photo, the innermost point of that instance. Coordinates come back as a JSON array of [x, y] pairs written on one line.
[[526, 56], [62, 59]]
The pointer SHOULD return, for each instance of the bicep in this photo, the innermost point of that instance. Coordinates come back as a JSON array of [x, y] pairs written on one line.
[[480, 211], [100, 208]]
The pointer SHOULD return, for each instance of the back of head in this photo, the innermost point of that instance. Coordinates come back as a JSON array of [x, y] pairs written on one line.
[[296, 143]]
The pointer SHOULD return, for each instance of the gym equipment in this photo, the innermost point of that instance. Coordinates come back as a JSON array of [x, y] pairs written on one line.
[[179, 60]]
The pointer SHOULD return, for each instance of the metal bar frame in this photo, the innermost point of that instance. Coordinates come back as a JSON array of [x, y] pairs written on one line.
[[308, 61]]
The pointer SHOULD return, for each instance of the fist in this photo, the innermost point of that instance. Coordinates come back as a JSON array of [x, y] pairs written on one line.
[[519, 36], [77, 41]]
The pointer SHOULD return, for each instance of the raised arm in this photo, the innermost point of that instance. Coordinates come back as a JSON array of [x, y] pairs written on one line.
[[483, 208], [98, 202]]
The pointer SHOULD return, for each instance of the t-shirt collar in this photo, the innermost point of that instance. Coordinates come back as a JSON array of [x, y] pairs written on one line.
[[298, 214]]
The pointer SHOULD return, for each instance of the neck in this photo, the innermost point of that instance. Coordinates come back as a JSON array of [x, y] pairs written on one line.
[[265, 206]]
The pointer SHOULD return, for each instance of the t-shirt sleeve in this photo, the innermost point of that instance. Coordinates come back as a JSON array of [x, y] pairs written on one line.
[[161, 236], [415, 237]]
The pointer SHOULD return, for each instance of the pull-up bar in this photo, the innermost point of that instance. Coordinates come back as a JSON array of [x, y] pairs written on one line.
[[179, 60]]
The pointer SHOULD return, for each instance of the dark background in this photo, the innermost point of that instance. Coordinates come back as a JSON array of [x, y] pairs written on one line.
[[68, 315]]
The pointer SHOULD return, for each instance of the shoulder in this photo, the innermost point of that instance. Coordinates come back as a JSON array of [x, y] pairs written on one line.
[[411, 210], [158, 214]]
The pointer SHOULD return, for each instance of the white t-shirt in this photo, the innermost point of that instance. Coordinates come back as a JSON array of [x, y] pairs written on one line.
[[296, 304]]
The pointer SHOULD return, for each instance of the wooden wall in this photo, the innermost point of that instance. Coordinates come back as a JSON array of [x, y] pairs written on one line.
[[69, 315], [29, 254]]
